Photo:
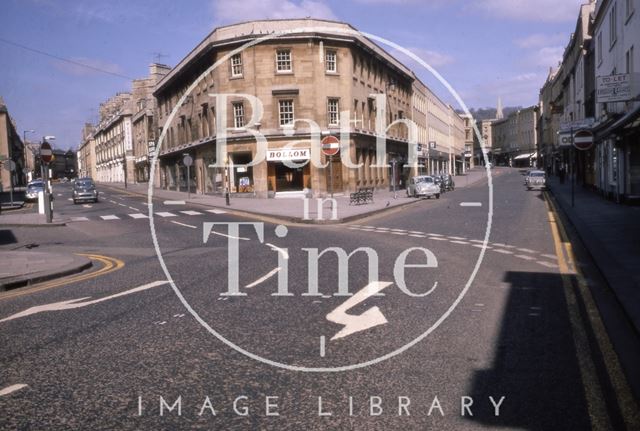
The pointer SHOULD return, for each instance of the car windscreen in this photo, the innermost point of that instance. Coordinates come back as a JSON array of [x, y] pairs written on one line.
[[424, 180], [35, 185], [84, 183], [536, 174]]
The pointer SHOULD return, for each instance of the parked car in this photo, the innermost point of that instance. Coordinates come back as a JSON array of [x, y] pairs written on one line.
[[447, 182], [438, 180], [423, 185], [84, 189], [33, 188], [535, 179]]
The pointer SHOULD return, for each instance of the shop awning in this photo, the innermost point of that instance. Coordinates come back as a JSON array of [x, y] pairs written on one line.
[[627, 119], [526, 156]]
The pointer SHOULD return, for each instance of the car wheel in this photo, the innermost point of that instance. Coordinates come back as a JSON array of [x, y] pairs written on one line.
[[75, 202], [528, 188], [437, 195], [95, 200]]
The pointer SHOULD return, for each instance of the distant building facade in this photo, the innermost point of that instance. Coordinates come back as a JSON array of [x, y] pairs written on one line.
[[516, 138], [113, 140], [11, 148], [87, 153]]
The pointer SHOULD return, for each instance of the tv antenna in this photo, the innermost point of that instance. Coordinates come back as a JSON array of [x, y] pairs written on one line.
[[157, 56]]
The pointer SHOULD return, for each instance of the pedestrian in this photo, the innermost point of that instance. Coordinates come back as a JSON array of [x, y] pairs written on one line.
[[561, 174]]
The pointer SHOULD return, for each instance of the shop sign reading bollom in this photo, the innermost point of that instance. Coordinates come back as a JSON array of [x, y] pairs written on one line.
[[289, 154]]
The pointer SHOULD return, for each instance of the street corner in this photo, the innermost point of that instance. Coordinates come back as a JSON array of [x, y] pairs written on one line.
[[25, 268]]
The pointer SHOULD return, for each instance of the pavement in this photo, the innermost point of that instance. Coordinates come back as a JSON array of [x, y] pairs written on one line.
[[21, 268], [293, 210], [611, 234]]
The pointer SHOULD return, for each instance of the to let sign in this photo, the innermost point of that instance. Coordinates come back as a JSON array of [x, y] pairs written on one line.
[[613, 88]]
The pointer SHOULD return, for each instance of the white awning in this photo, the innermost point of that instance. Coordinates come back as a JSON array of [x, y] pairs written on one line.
[[526, 156]]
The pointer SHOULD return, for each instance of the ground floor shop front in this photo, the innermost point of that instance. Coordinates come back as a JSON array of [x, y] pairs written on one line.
[[287, 169]]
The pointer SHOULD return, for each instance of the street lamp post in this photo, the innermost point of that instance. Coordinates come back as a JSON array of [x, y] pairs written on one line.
[[227, 181], [48, 210]]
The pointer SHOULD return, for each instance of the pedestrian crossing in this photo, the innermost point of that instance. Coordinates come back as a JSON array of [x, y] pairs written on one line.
[[138, 216]]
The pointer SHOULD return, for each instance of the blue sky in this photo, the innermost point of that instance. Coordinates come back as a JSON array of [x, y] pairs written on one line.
[[484, 48]]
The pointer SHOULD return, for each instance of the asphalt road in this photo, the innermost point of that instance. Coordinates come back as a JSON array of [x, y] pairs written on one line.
[[493, 328]]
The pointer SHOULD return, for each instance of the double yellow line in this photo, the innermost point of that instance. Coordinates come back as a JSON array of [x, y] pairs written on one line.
[[108, 264], [593, 390]]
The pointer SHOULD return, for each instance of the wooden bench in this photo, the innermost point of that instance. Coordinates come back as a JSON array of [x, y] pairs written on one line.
[[361, 196]]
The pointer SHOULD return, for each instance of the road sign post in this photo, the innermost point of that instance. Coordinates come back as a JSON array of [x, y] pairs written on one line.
[[187, 160], [46, 155], [330, 147]]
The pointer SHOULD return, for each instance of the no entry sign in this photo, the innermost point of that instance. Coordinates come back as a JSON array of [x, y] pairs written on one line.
[[583, 139], [330, 146], [46, 154]]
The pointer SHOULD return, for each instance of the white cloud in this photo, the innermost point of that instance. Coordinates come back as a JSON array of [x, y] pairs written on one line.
[[232, 11], [532, 10], [521, 89], [539, 40], [545, 57]]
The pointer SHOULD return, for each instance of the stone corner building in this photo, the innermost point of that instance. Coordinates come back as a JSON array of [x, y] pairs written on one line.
[[315, 71]]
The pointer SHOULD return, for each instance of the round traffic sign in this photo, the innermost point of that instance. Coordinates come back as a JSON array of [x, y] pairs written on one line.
[[46, 153], [330, 145], [583, 139], [187, 160], [10, 165]]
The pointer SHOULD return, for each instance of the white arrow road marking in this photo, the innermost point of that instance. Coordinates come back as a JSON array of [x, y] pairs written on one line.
[[77, 303], [12, 388], [355, 323], [268, 275]]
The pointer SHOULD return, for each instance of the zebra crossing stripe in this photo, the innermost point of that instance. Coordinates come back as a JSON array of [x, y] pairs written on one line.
[[79, 219], [137, 215], [216, 211], [191, 212], [110, 217], [165, 214]]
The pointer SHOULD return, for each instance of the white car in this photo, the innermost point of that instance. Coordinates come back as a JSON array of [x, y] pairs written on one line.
[[535, 179], [423, 185]]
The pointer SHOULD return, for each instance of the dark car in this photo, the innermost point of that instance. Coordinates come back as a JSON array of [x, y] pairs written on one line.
[[33, 188], [84, 189], [447, 182]]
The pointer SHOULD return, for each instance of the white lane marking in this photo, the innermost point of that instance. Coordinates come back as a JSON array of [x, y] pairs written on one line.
[[79, 219], [279, 250], [522, 256], [138, 215], [548, 256], [398, 230], [460, 242], [216, 211], [70, 199], [110, 217], [481, 246], [122, 205], [436, 238], [228, 236], [526, 250], [165, 214], [59, 194], [174, 202], [416, 232], [183, 224], [458, 238], [470, 204], [87, 206], [190, 212], [417, 236], [77, 303], [356, 323], [435, 234], [398, 233], [264, 277], [12, 388], [547, 264], [535, 308], [135, 209], [113, 202], [479, 241], [479, 305], [498, 250], [322, 341], [383, 228]]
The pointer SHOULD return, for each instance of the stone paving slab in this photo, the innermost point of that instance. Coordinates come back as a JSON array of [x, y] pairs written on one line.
[[21, 268]]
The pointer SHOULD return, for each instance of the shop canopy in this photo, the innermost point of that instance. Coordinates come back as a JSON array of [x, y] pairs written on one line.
[[526, 156]]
